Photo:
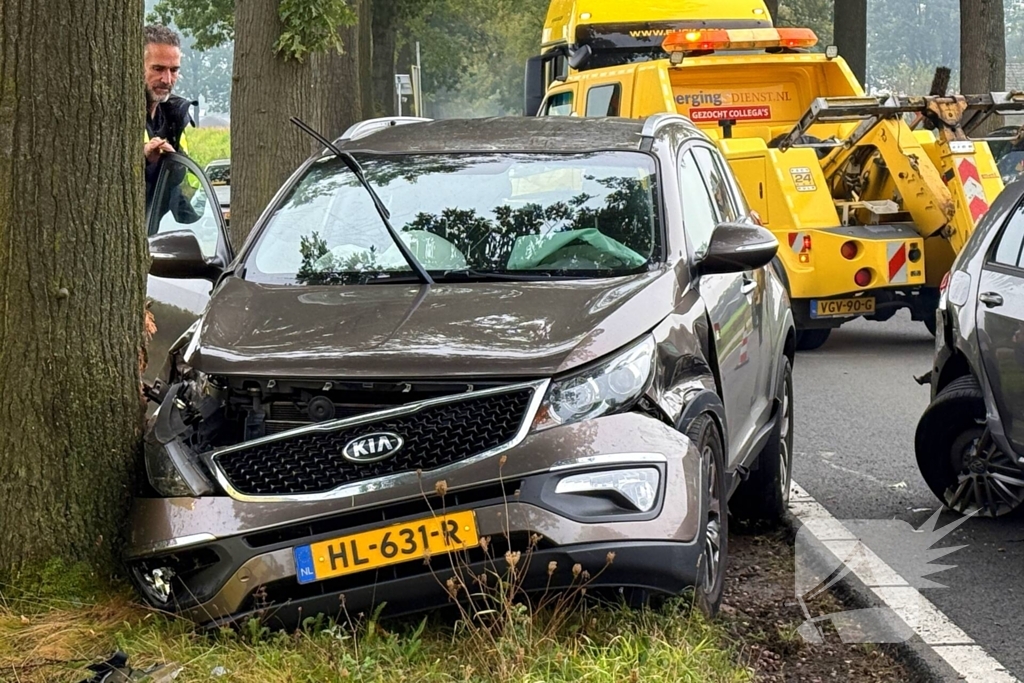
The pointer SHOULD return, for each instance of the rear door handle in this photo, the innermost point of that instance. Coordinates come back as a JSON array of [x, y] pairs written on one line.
[[991, 299], [748, 286]]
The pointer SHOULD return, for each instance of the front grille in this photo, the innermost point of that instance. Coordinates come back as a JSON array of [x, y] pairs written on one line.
[[434, 436]]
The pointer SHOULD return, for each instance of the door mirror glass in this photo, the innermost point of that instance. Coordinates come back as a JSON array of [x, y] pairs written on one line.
[[179, 255], [182, 201], [738, 247]]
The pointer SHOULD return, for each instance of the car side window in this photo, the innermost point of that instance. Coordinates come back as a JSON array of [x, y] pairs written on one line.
[[699, 215], [603, 100], [721, 190], [1009, 249], [184, 205], [559, 104]]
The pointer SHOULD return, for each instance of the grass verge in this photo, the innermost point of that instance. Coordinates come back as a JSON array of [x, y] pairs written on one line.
[[56, 640], [207, 144]]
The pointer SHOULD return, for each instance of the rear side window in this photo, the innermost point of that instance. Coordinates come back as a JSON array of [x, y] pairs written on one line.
[[698, 212], [721, 190], [560, 104], [1008, 250], [603, 100]]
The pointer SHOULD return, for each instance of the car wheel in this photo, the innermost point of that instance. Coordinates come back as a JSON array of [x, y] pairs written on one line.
[[809, 340], [959, 460], [715, 534], [764, 496]]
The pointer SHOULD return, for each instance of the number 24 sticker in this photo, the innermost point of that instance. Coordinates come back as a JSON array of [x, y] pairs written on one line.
[[803, 179]]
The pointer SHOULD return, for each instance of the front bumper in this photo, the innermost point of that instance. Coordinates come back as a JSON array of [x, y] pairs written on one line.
[[231, 558]]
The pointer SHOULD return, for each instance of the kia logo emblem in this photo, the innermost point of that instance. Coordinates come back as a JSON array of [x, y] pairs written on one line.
[[373, 447]]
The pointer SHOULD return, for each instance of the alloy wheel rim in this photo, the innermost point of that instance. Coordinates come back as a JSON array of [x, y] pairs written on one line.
[[713, 531], [989, 482], [785, 452]]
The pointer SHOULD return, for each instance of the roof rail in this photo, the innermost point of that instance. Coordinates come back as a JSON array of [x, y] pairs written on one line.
[[364, 128], [656, 121]]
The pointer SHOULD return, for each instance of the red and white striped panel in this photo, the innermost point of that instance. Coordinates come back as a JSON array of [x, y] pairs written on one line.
[[796, 241], [897, 253], [977, 202]]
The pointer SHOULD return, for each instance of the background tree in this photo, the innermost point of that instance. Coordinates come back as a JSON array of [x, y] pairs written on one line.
[[851, 34], [73, 263], [982, 52]]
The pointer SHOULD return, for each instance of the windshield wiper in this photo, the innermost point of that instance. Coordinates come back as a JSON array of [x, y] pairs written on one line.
[[469, 274], [382, 210]]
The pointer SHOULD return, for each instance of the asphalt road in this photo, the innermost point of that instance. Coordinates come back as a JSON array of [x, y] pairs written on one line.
[[857, 407]]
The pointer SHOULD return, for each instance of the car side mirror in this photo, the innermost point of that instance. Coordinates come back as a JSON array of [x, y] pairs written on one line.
[[178, 255], [736, 247], [580, 56]]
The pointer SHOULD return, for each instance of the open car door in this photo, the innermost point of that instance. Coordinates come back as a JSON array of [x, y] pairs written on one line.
[[183, 201]]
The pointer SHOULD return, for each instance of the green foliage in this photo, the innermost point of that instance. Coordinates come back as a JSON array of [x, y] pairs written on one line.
[[210, 22], [311, 26], [207, 144]]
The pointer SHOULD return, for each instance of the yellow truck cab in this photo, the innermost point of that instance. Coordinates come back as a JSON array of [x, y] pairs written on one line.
[[871, 197]]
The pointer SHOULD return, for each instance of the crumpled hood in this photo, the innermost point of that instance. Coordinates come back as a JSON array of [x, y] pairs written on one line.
[[524, 329]]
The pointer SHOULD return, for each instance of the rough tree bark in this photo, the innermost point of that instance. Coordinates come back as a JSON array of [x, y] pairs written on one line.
[[73, 261], [338, 80], [851, 34], [385, 23], [366, 58], [982, 52], [265, 147]]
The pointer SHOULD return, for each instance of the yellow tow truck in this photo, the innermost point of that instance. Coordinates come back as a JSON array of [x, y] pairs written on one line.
[[871, 197]]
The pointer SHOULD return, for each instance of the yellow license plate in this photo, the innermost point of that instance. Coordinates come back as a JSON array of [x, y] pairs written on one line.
[[862, 305], [389, 545]]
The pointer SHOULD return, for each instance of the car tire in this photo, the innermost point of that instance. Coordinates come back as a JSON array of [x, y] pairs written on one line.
[[714, 534], [954, 453], [764, 497], [809, 340]]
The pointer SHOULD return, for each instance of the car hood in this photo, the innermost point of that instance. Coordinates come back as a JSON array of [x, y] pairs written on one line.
[[525, 329]]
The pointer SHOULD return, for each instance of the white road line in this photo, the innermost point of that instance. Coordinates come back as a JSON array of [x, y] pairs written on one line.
[[935, 629]]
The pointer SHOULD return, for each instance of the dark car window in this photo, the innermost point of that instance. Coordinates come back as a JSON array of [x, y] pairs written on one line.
[[603, 100], [1008, 250], [534, 214], [699, 214], [560, 104], [721, 191]]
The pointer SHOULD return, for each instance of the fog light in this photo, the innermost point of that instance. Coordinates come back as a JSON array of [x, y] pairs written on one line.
[[849, 250], [863, 277], [637, 487], [158, 583]]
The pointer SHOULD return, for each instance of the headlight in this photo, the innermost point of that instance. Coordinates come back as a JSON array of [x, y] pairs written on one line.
[[600, 390], [171, 466]]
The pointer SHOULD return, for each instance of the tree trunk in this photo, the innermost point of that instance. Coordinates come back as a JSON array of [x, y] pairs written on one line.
[[982, 52], [366, 58], [73, 263], [265, 146], [338, 78], [773, 9], [851, 34], [385, 23]]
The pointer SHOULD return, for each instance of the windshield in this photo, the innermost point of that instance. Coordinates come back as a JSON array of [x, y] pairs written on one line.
[[465, 216]]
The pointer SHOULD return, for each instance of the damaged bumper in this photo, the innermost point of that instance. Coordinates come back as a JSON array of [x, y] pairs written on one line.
[[216, 558]]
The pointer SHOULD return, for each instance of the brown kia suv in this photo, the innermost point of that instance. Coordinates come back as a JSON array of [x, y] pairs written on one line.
[[445, 340]]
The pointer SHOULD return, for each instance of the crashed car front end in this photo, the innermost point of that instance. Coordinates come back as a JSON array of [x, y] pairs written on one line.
[[566, 471]]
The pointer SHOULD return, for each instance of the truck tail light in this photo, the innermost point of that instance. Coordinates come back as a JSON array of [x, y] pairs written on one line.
[[849, 250], [863, 277]]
